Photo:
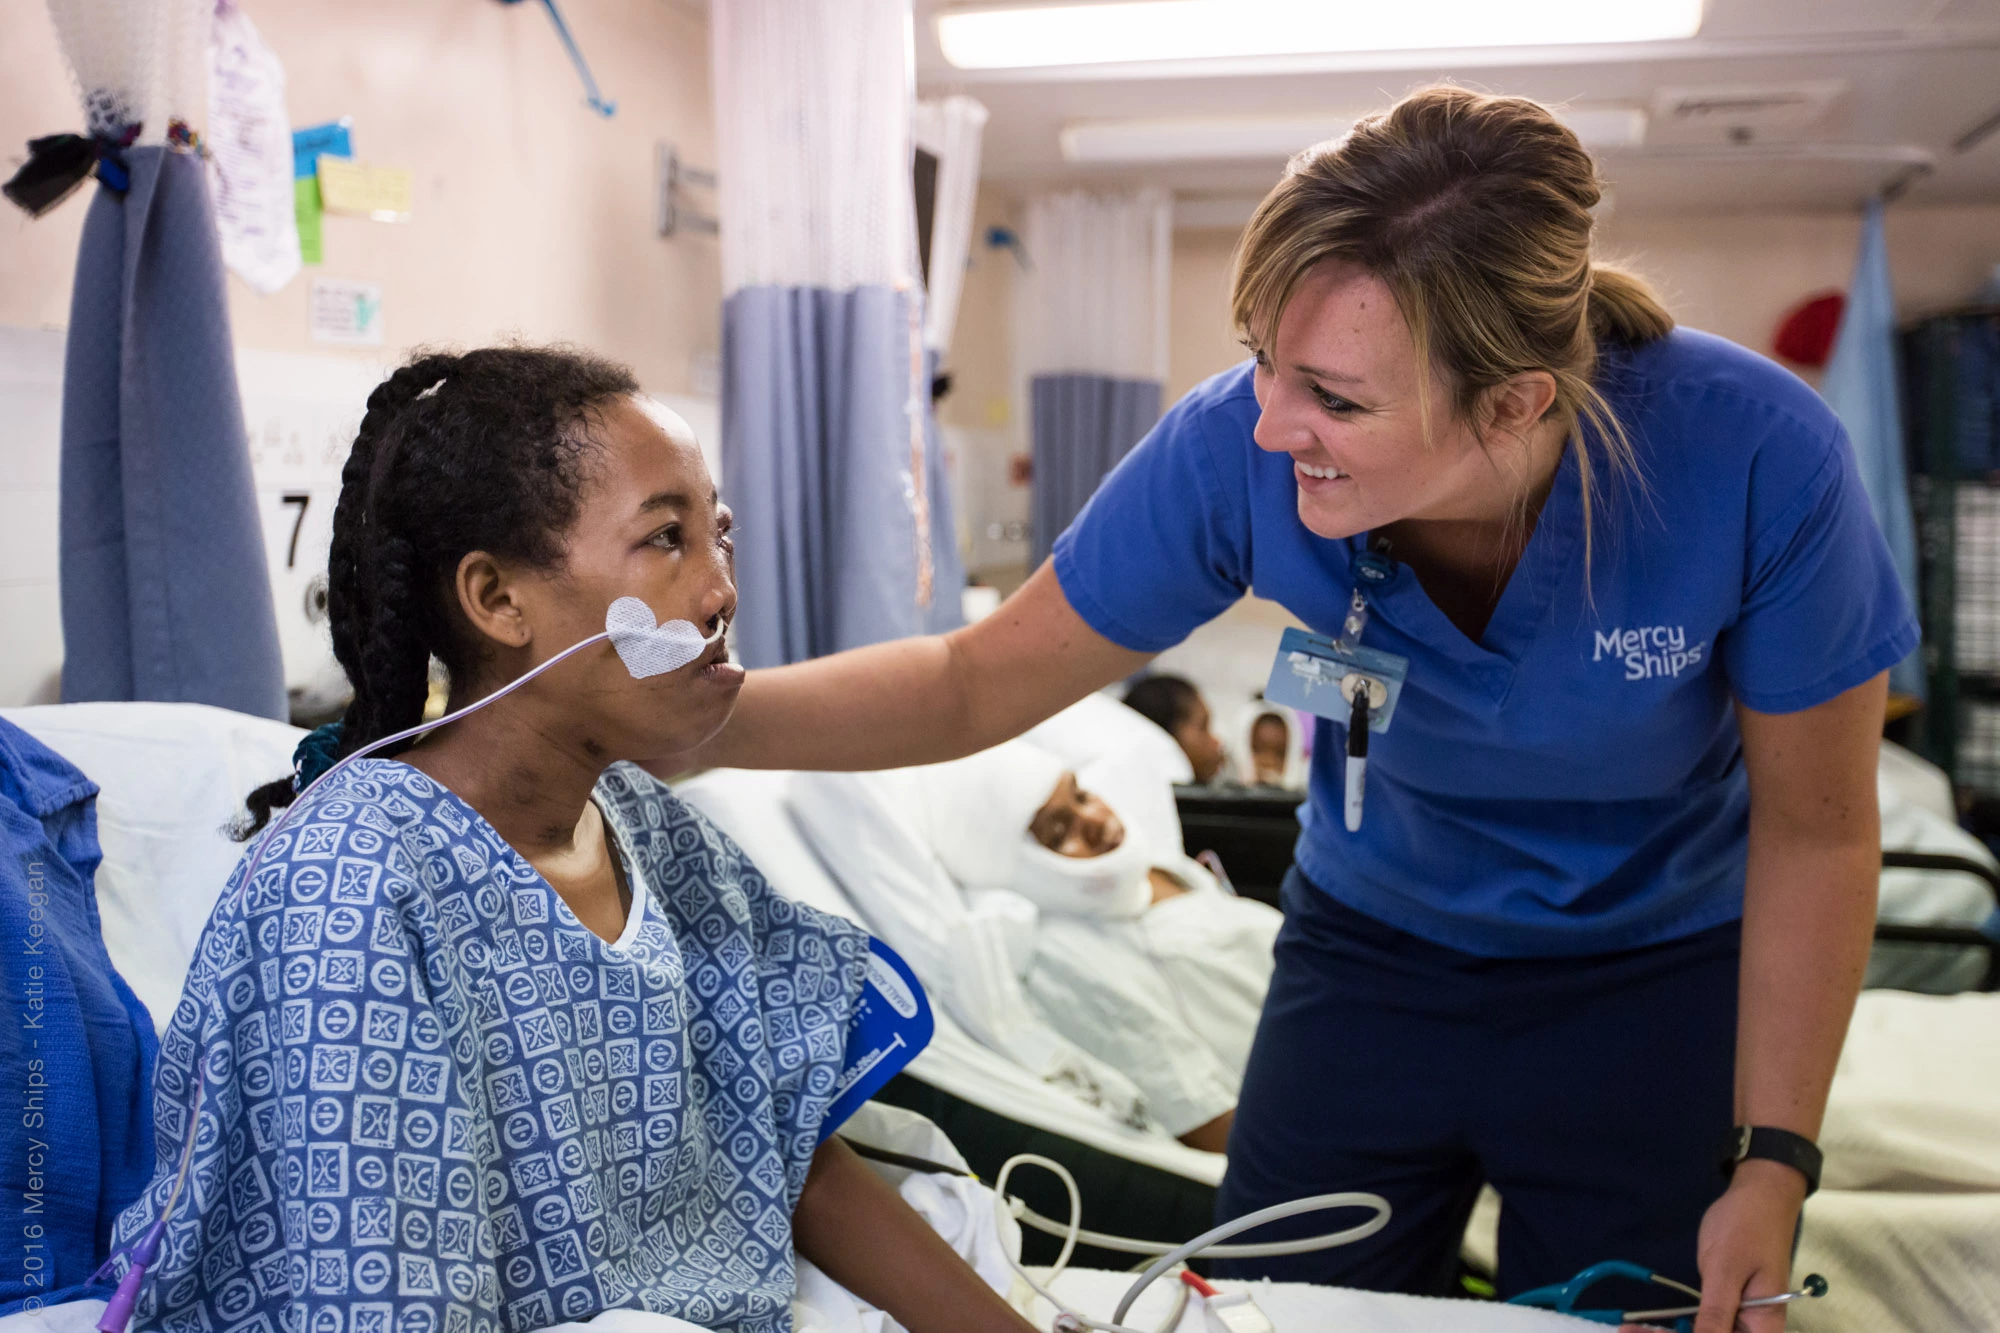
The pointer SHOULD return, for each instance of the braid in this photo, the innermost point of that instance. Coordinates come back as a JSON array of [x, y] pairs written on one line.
[[492, 461], [394, 679]]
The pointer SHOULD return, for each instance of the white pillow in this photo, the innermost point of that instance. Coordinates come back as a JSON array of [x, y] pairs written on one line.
[[1125, 758], [171, 778]]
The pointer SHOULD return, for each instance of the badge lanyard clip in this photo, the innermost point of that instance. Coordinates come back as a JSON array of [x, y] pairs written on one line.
[[1366, 682]]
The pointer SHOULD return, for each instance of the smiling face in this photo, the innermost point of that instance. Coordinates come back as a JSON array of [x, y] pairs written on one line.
[[1074, 823], [1340, 392], [648, 525]]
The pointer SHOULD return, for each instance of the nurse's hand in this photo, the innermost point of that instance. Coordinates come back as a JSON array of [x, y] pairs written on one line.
[[1745, 1249]]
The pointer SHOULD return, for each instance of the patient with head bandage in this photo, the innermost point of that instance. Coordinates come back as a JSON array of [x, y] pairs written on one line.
[[1133, 953]]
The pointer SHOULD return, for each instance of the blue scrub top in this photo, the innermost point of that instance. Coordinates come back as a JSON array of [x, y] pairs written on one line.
[[1573, 782]]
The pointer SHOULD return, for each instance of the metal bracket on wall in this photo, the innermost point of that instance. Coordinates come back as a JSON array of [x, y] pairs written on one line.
[[671, 179]]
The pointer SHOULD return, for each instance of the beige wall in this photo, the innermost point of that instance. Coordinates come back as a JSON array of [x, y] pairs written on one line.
[[533, 216], [1204, 341], [1735, 276]]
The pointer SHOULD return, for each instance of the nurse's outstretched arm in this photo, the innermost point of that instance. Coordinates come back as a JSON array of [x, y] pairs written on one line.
[[921, 700], [1808, 919]]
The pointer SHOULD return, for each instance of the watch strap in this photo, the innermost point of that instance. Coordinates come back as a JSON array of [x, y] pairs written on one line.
[[1770, 1144]]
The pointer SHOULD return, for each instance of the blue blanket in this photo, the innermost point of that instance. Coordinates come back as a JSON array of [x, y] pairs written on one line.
[[76, 1046], [434, 1102]]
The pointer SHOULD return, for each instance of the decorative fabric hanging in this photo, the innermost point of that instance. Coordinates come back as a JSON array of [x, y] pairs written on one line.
[[165, 590]]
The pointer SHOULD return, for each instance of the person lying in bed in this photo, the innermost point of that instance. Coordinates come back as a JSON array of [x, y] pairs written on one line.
[[500, 1034], [1134, 954]]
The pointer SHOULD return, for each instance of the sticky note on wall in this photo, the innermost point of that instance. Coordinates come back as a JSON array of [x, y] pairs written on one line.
[[309, 145], [381, 193], [333, 138], [305, 208]]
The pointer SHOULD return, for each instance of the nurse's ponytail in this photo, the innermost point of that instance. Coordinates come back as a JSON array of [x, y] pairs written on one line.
[[1623, 308], [480, 451], [1475, 211]]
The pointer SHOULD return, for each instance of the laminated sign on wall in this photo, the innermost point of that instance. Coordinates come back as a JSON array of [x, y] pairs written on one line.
[[346, 313]]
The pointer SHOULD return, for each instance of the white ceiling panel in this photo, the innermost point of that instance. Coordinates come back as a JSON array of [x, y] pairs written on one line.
[[1909, 78]]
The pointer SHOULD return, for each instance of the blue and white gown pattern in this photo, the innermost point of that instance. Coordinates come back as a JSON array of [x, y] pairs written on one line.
[[434, 1102]]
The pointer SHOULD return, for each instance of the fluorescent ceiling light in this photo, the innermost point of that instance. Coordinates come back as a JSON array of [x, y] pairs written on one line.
[[1274, 138], [1015, 37]]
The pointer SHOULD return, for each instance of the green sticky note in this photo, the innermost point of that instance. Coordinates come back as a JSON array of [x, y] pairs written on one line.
[[305, 203]]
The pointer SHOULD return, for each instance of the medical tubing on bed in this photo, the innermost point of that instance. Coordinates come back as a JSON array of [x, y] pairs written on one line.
[[1172, 1256], [1271, 1249], [118, 1310], [1275, 1213]]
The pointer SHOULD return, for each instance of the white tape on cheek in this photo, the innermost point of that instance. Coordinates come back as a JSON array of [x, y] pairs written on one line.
[[648, 649]]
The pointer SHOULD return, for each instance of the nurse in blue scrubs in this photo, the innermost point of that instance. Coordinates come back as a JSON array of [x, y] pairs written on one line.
[[1604, 917]]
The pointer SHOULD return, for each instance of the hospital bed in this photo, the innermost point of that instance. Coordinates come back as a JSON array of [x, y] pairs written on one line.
[[1906, 1226]]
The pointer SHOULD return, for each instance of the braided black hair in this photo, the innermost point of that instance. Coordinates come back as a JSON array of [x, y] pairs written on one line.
[[478, 451]]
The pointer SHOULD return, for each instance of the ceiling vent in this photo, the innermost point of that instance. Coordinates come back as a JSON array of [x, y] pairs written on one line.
[[1743, 113]]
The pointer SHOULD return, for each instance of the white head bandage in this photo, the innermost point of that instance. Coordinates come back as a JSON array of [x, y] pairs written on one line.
[[975, 811]]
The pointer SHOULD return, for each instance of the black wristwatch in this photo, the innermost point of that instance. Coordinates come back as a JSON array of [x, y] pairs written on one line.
[[1773, 1145]]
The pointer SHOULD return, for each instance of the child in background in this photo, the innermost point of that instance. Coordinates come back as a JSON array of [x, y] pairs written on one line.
[[1177, 708]]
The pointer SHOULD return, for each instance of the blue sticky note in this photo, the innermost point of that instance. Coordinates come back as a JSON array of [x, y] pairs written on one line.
[[333, 139], [892, 1023]]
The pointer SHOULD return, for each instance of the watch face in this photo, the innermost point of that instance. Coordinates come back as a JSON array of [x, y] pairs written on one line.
[[1742, 1142]]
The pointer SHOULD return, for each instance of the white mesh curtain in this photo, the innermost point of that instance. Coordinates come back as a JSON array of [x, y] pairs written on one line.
[[165, 593], [824, 393], [951, 130], [1092, 329]]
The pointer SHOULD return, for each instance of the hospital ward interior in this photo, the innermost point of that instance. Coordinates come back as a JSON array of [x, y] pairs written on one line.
[[718, 665]]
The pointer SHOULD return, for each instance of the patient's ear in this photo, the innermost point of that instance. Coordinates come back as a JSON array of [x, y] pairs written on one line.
[[488, 598]]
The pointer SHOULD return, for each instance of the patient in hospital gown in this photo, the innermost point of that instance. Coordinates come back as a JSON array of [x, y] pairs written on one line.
[[1135, 954], [433, 1102]]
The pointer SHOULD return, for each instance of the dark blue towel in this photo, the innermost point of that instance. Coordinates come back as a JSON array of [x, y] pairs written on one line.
[[76, 1046], [165, 592]]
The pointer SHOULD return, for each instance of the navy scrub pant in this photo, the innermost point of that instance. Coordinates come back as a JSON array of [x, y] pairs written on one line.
[[1594, 1093]]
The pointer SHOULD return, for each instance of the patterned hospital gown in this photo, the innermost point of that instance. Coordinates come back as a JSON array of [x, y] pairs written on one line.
[[436, 1103]]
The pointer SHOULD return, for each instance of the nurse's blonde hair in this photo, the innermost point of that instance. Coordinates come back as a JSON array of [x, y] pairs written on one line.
[[1475, 212]]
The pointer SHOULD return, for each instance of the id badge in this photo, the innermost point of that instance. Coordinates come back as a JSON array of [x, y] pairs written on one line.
[[1309, 669], [892, 1023]]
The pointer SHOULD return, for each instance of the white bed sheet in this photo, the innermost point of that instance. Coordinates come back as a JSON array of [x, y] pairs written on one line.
[[753, 809], [1294, 1307]]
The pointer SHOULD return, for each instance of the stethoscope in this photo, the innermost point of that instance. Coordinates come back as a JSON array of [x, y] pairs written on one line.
[[646, 648], [1562, 1297]]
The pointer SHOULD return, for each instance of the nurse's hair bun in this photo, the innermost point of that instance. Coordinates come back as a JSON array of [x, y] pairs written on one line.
[[1475, 211], [458, 452]]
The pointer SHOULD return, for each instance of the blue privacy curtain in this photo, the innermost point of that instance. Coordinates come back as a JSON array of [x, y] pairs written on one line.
[[1082, 425], [1092, 341], [826, 452], [165, 591], [1862, 387]]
